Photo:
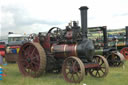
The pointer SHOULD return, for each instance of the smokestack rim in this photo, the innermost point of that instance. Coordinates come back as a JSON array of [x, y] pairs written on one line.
[[83, 8]]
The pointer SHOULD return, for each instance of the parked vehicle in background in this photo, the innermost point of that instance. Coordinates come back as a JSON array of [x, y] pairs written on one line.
[[111, 53], [15, 41]]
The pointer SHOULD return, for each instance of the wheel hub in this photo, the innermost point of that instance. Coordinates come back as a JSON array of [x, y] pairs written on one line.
[[71, 70]]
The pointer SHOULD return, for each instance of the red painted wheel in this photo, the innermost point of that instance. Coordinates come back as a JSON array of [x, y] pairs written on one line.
[[124, 51], [73, 70], [103, 68], [32, 60]]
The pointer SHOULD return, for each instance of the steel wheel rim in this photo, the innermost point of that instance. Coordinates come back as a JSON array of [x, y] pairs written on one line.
[[31, 60], [74, 71], [114, 60], [103, 68]]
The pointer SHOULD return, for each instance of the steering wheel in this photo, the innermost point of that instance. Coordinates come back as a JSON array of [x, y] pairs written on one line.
[[55, 32]]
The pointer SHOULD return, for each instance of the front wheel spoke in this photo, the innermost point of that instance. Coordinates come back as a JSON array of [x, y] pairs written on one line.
[[102, 71], [92, 70], [99, 59], [102, 63], [72, 63], [103, 67], [98, 73], [67, 73], [71, 77], [77, 75], [67, 67]]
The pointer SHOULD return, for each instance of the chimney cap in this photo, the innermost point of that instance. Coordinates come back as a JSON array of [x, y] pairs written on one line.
[[83, 8]]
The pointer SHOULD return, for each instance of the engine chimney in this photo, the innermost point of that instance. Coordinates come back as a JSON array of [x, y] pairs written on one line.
[[105, 36], [83, 10], [126, 35]]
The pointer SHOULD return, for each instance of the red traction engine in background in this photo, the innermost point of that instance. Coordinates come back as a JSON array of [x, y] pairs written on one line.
[[2, 49], [68, 50]]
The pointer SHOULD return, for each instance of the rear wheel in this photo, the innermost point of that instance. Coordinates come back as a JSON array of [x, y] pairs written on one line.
[[32, 59], [73, 70]]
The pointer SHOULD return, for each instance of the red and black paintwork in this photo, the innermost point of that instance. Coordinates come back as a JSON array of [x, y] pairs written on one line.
[[53, 51], [69, 46], [11, 57], [124, 47], [64, 50], [2, 48]]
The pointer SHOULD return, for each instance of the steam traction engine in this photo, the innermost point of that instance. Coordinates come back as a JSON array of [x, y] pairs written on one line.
[[124, 47], [111, 53], [68, 50]]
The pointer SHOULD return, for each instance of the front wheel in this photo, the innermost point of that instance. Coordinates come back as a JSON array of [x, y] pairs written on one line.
[[73, 70], [101, 70]]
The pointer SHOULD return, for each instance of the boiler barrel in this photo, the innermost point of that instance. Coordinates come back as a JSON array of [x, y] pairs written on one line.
[[64, 50], [83, 49]]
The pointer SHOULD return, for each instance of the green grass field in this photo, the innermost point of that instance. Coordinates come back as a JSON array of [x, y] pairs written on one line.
[[116, 76]]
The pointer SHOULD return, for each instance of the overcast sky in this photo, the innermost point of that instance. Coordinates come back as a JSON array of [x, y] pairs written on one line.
[[33, 16]]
